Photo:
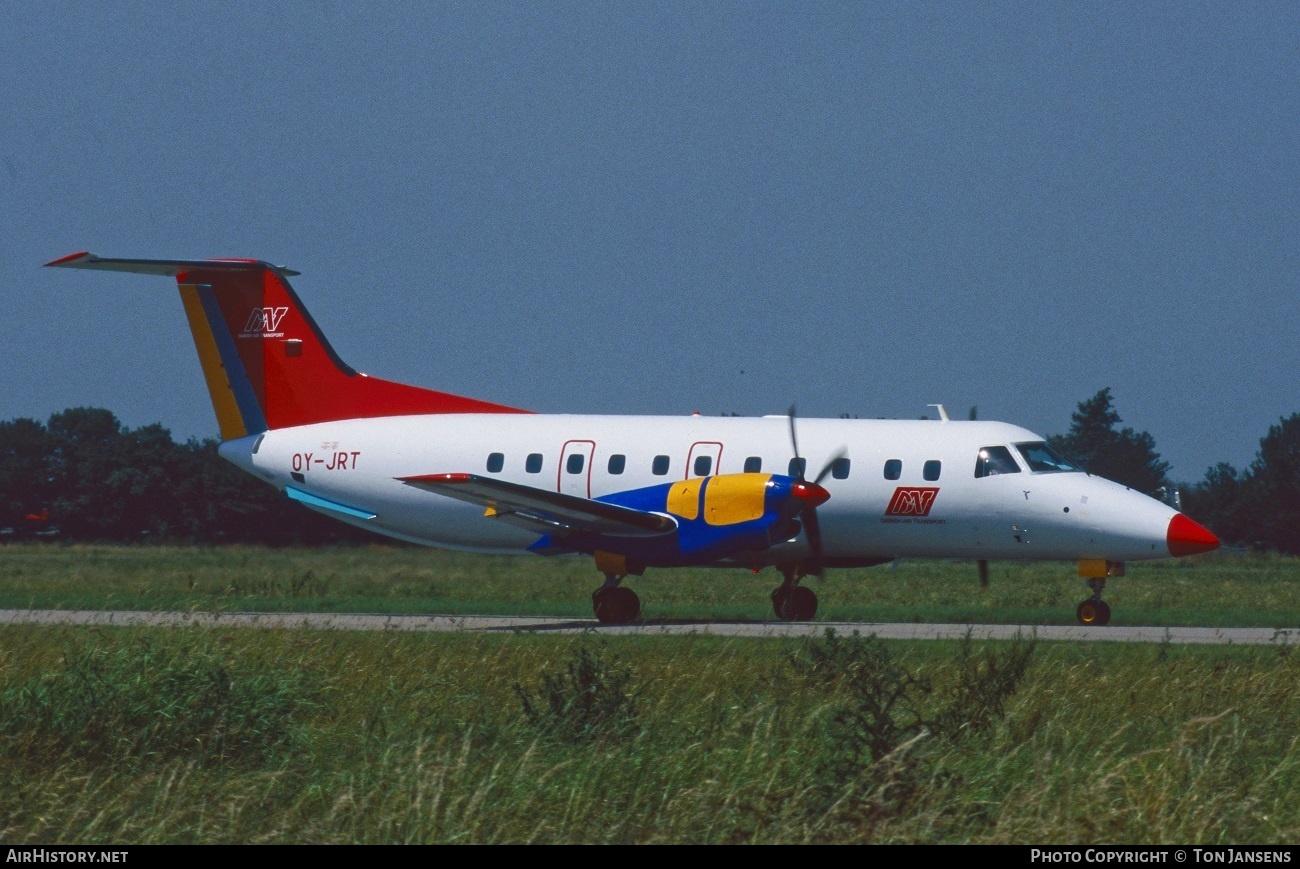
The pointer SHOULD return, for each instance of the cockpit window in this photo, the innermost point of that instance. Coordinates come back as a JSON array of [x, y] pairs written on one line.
[[1043, 459], [995, 460]]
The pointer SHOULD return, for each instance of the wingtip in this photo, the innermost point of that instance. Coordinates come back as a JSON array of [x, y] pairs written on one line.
[[70, 258]]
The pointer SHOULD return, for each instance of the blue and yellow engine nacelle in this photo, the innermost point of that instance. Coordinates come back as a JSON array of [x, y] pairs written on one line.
[[716, 517]]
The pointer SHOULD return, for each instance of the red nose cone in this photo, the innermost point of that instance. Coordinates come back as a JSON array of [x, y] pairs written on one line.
[[811, 494], [1187, 538]]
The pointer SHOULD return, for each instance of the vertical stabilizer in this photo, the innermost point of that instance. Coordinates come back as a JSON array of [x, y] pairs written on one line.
[[265, 361]]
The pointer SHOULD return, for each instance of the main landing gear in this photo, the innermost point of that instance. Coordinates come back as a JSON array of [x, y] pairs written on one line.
[[615, 605], [1094, 610], [791, 601]]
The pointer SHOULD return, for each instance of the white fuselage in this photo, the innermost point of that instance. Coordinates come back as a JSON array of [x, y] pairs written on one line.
[[1022, 515]]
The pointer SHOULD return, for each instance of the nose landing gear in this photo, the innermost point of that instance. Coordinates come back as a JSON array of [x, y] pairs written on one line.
[[1094, 610], [791, 601]]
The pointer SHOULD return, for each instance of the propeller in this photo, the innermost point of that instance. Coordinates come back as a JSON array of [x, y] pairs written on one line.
[[814, 495]]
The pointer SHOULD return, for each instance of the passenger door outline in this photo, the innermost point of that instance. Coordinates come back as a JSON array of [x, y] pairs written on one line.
[[575, 484]]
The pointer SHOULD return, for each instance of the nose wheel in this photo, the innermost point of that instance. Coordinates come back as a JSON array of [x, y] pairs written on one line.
[[613, 604], [1094, 610], [793, 602]]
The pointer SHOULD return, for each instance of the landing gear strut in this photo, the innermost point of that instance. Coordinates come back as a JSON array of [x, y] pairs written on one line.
[[613, 604], [791, 601], [1094, 610]]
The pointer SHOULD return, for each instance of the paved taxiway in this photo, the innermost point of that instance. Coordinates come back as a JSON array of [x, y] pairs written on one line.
[[507, 624]]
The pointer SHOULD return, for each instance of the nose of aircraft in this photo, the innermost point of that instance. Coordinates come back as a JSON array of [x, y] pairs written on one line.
[[811, 494], [1186, 537]]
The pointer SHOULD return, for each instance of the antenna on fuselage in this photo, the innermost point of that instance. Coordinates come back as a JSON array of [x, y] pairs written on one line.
[[943, 414]]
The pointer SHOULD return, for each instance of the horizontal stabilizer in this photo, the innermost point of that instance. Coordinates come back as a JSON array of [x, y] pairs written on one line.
[[165, 267]]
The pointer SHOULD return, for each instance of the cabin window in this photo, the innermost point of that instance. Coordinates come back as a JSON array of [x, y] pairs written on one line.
[[798, 467], [930, 470], [840, 468], [574, 463], [617, 463], [893, 469], [533, 464], [495, 462], [703, 465], [753, 465], [991, 461], [660, 465]]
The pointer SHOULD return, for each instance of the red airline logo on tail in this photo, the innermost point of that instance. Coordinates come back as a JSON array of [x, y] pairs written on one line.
[[264, 323]]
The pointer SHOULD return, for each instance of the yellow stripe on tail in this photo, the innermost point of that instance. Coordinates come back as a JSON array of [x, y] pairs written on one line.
[[230, 420]]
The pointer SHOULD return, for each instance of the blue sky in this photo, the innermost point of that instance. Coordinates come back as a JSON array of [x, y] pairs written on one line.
[[666, 207]]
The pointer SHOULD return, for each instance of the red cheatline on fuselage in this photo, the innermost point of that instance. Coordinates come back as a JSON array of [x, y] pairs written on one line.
[[1186, 537]]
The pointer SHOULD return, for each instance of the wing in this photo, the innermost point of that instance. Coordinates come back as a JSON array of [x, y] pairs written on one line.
[[545, 512]]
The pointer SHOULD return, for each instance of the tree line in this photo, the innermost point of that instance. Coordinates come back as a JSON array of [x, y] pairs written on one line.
[[87, 477], [94, 479]]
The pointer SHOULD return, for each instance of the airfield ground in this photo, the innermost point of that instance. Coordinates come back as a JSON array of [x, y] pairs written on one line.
[[148, 734], [1219, 590]]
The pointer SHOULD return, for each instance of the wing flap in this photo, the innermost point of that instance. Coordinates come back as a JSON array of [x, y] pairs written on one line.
[[543, 511]]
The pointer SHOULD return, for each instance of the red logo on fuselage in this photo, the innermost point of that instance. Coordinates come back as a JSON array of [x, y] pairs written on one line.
[[912, 501]]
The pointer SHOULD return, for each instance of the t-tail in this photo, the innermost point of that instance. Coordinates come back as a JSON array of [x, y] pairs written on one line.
[[266, 363]]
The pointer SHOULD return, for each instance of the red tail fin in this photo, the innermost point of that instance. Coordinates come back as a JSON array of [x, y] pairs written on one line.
[[266, 362]]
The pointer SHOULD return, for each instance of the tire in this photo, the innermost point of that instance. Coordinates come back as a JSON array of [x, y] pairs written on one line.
[[803, 604], [1093, 612], [615, 606], [781, 602], [796, 604]]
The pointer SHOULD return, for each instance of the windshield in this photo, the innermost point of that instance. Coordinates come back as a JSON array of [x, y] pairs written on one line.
[[1042, 458]]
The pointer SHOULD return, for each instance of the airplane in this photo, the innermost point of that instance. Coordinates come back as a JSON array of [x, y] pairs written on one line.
[[636, 492]]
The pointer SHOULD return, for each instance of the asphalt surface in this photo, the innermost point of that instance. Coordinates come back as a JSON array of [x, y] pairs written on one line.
[[509, 624]]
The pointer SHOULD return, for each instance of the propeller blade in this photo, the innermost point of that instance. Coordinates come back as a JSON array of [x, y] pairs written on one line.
[[813, 530], [794, 440], [814, 494], [841, 453]]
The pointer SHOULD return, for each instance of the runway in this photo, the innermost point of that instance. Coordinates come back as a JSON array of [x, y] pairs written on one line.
[[534, 624]]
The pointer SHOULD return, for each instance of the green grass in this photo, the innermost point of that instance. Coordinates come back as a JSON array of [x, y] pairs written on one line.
[[425, 738], [1223, 589], [228, 735]]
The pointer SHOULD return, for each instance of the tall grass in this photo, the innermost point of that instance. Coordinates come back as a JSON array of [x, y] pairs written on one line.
[[146, 703], [426, 738]]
